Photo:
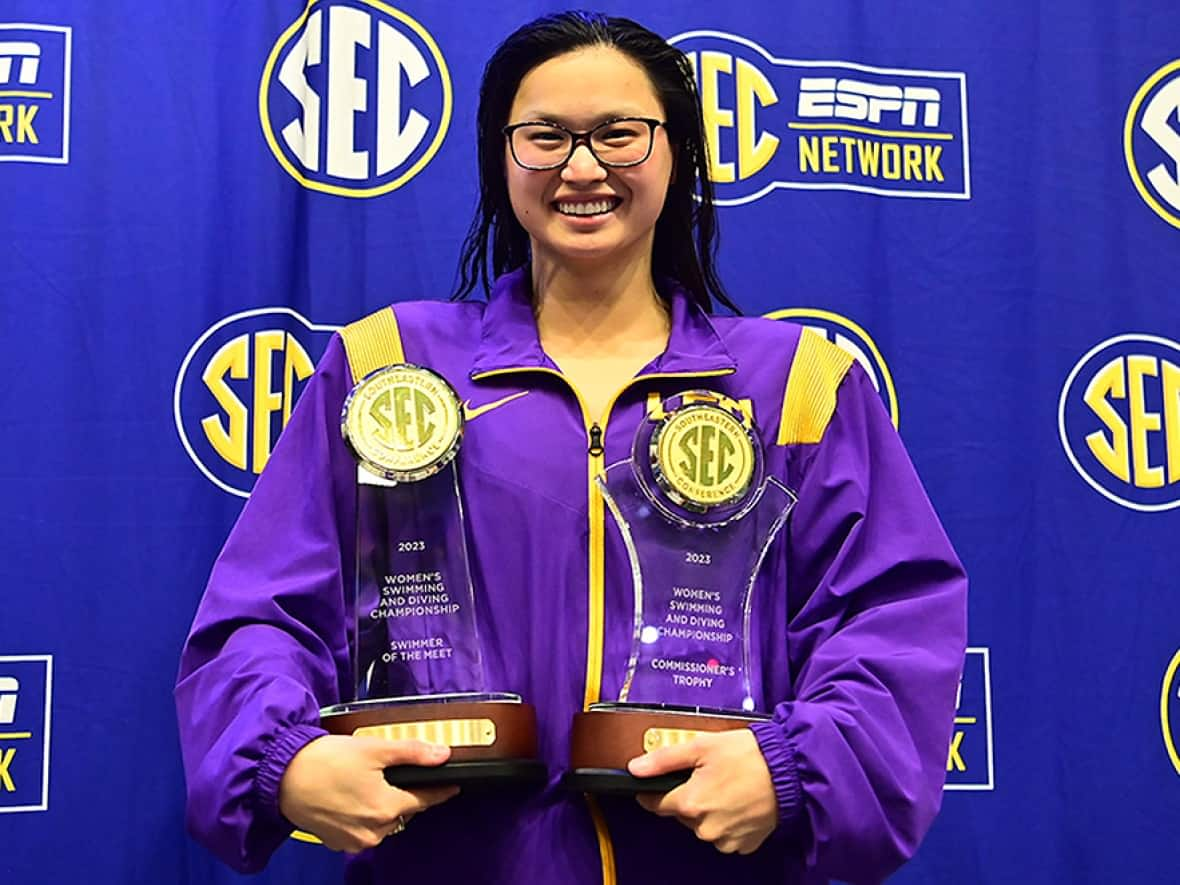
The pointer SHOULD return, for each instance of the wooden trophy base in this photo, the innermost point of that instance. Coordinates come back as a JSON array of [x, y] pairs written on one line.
[[493, 742], [606, 737]]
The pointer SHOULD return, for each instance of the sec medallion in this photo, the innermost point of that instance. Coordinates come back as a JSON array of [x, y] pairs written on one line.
[[403, 422], [703, 456]]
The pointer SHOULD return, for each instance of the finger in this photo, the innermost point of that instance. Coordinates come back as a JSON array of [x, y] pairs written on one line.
[[727, 845], [406, 752], [665, 759], [678, 803], [422, 798], [649, 801], [657, 804]]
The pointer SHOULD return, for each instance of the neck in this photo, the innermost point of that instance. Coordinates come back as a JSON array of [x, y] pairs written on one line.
[[587, 308]]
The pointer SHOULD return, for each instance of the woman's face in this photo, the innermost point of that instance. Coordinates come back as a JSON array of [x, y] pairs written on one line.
[[579, 90]]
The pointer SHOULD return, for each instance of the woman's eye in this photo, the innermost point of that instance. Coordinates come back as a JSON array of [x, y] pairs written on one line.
[[617, 134]]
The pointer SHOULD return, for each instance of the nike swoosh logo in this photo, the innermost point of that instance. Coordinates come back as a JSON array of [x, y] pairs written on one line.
[[470, 413]]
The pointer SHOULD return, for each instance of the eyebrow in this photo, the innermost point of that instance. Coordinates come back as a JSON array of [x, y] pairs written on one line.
[[532, 114]]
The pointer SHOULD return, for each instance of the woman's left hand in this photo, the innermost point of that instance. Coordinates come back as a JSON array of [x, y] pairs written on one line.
[[729, 799]]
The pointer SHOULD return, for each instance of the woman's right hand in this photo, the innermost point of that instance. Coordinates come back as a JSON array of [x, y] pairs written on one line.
[[335, 788]]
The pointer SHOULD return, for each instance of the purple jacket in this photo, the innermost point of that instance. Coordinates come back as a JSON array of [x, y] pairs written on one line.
[[863, 600]]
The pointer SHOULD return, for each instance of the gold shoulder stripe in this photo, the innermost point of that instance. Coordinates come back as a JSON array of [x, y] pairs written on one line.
[[810, 397], [372, 343]]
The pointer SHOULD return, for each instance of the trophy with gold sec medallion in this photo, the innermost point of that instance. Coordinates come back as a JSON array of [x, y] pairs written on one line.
[[696, 514], [418, 668]]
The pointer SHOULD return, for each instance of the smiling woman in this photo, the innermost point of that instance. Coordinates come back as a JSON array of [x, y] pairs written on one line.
[[586, 205], [559, 61], [838, 636]]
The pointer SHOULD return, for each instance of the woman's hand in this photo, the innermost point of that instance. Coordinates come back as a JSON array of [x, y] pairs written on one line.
[[335, 788], [729, 799]]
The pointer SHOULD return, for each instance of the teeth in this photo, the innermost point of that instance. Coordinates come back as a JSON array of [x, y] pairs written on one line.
[[597, 207]]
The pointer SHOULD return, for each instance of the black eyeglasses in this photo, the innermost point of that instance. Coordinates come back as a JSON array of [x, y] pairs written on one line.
[[539, 145]]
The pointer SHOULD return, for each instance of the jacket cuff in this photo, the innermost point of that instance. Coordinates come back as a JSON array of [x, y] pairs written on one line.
[[779, 752], [275, 761]]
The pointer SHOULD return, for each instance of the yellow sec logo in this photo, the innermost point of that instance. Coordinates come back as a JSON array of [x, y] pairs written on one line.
[[403, 422], [355, 98], [1118, 417], [704, 456], [236, 387]]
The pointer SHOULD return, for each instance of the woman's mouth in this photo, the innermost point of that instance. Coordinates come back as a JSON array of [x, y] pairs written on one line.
[[585, 208]]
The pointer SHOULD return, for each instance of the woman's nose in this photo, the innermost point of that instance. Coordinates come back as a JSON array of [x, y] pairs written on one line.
[[583, 166]]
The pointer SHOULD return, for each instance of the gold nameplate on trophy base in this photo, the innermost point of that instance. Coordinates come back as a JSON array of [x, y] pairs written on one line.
[[451, 732], [654, 738]]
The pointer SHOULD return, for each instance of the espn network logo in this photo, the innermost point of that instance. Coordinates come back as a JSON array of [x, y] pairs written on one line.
[[829, 98], [9, 687], [26, 687], [29, 57], [830, 125], [20, 62], [35, 93]]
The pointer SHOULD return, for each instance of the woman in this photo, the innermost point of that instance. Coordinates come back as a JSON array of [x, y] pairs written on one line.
[[591, 151]]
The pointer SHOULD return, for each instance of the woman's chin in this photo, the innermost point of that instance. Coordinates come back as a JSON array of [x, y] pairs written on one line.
[[592, 247]]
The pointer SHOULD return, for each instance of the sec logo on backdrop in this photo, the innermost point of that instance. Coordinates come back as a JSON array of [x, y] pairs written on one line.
[[1119, 420], [1170, 710], [236, 388], [1151, 142], [355, 98]]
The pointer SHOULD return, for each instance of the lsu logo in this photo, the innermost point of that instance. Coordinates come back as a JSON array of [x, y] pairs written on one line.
[[851, 338], [26, 689], [773, 122], [236, 388], [1119, 421], [355, 98], [970, 764], [35, 93], [1151, 142], [1170, 710]]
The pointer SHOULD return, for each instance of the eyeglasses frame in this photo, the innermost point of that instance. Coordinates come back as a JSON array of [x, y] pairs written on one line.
[[583, 137]]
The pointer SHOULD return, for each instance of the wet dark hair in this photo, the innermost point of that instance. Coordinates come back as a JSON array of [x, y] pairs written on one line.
[[685, 242]]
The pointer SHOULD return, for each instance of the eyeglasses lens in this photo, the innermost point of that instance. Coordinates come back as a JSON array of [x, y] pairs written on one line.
[[617, 143]]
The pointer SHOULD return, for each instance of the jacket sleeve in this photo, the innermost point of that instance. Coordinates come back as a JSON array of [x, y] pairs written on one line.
[[877, 633], [268, 646]]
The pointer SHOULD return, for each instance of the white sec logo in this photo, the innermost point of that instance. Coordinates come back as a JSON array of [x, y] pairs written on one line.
[[1151, 142], [355, 98]]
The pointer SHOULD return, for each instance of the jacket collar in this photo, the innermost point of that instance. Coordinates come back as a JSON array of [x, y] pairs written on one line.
[[508, 339]]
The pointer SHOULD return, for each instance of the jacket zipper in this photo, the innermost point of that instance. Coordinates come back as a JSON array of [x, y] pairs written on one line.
[[596, 450], [595, 638]]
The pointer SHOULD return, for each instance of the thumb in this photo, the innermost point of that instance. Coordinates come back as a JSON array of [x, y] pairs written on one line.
[[666, 759], [407, 752]]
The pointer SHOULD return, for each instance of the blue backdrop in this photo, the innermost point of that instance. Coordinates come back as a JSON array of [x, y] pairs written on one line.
[[981, 201]]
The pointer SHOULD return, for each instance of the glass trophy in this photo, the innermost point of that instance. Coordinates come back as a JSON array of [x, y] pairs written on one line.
[[696, 514], [415, 645]]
